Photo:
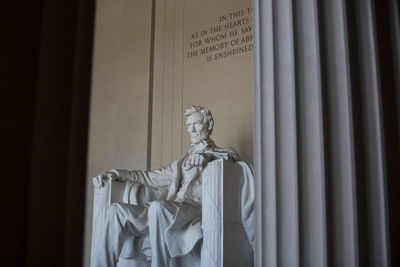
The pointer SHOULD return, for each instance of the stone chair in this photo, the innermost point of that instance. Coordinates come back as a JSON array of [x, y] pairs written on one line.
[[225, 240]]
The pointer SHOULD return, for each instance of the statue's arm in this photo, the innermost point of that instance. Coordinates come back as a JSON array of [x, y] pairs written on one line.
[[154, 178]]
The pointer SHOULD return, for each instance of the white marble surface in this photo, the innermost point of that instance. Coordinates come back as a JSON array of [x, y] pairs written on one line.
[[163, 208]]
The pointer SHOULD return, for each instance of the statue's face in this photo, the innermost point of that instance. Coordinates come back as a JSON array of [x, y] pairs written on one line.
[[197, 128]]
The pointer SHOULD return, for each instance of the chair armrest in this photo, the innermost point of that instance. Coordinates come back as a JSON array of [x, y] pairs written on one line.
[[211, 214], [103, 197], [224, 239]]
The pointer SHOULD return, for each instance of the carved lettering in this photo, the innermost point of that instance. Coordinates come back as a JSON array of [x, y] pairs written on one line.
[[231, 36]]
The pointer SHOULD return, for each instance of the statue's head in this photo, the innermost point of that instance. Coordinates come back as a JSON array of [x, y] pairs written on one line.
[[199, 123]]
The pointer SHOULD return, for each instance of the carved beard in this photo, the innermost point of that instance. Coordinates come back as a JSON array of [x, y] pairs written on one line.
[[203, 136]]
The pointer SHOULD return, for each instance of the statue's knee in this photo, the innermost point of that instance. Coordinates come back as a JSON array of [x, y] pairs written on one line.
[[113, 210]]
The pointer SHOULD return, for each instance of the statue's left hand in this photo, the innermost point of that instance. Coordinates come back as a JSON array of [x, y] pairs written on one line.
[[111, 175]]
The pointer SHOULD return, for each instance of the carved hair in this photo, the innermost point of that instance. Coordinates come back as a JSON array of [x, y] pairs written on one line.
[[207, 117]]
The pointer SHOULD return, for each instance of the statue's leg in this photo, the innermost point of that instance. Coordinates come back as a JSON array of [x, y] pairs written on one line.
[[121, 220], [161, 215]]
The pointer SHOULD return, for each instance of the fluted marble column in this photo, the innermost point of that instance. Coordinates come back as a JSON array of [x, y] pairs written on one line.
[[322, 131]]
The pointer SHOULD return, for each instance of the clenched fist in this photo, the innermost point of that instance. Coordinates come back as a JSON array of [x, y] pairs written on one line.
[[195, 160]]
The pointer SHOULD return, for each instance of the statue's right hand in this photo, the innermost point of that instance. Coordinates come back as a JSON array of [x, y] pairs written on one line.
[[99, 180]]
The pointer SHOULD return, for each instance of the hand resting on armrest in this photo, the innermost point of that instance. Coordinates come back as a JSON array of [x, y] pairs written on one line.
[[111, 175]]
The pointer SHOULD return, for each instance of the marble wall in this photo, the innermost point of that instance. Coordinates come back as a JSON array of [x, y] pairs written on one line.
[[197, 62], [118, 133]]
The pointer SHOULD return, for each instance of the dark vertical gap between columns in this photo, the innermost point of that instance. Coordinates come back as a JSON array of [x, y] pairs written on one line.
[[276, 131], [276, 135], [359, 150], [394, 10], [395, 38], [173, 79], [374, 142], [326, 128], [262, 141], [258, 140], [390, 119], [151, 85], [398, 11], [298, 139]]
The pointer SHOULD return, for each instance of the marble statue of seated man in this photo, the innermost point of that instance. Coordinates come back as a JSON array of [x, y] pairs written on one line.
[[168, 227]]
